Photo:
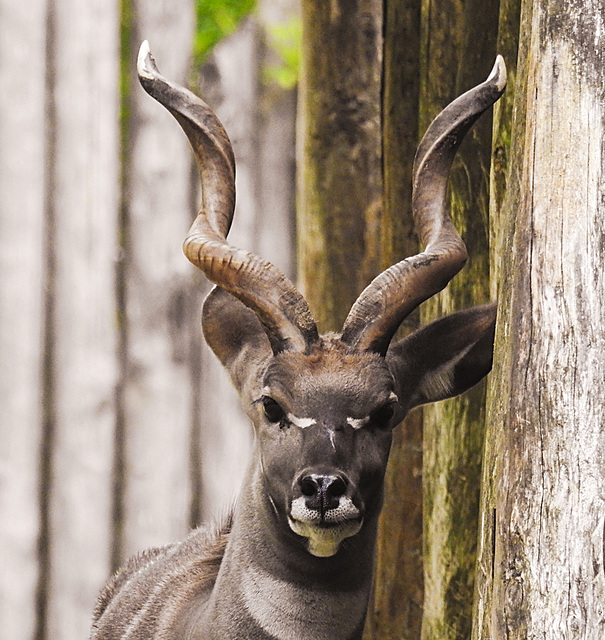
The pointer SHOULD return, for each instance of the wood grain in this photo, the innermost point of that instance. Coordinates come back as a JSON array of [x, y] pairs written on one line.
[[542, 515]]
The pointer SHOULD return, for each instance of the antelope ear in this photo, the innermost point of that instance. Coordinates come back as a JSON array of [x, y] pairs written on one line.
[[235, 335], [445, 358]]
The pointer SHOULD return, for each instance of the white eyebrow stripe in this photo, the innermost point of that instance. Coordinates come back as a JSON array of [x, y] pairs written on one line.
[[358, 423], [301, 423], [305, 423]]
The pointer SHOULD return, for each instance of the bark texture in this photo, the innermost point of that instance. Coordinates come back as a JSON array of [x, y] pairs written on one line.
[[458, 51], [508, 47], [339, 180], [396, 608], [542, 526]]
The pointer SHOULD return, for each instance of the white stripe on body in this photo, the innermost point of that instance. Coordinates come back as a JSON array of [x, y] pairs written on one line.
[[133, 626]]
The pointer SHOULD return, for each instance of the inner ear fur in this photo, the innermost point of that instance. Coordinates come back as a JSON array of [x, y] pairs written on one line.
[[235, 335], [445, 358]]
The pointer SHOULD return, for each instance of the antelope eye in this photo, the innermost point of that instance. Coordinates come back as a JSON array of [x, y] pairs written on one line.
[[273, 412], [383, 415]]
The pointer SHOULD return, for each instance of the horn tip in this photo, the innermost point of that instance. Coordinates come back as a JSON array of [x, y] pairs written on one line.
[[146, 67], [498, 74]]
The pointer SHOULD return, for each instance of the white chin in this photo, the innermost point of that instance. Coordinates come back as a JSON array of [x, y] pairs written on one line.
[[321, 549], [324, 542]]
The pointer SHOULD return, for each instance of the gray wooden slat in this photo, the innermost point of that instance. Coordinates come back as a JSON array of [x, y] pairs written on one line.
[[230, 85], [22, 263], [260, 120], [84, 200], [160, 294]]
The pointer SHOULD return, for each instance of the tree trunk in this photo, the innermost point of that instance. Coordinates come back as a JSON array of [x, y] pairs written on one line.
[[396, 608], [458, 51], [339, 165], [542, 512], [22, 268], [159, 296], [83, 204], [508, 47], [501, 228]]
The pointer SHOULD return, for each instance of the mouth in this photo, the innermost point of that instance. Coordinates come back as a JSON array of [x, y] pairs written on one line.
[[325, 532]]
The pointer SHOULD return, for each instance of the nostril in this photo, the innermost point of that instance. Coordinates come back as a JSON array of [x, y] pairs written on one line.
[[309, 486], [322, 492], [335, 486]]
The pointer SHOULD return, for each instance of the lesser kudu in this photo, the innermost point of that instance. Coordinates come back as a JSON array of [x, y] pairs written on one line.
[[294, 561]]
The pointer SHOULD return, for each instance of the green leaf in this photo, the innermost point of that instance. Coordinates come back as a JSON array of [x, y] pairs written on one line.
[[217, 19], [285, 40]]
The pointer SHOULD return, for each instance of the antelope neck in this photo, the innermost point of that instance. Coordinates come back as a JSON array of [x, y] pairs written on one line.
[[269, 582]]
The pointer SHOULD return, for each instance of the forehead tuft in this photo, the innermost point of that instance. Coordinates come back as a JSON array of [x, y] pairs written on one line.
[[329, 379]]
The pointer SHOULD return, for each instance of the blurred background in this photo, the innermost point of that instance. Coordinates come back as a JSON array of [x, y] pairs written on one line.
[[104, 377]]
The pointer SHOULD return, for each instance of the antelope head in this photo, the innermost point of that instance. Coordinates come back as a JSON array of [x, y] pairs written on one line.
[[324, 407]]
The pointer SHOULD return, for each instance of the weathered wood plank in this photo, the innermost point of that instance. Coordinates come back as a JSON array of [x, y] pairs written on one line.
[[543, 501], [84, 164], [459, 48], [161, 298], [22, 273], [230, 84], [396, 609], [500, 260], [339, 163], [259, 118], [508, 48], [277, 145]]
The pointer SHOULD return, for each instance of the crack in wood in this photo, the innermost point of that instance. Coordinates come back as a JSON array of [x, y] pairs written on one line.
[[494, 543]]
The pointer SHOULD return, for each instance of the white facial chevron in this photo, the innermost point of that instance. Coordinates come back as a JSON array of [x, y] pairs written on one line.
[[304, 423]]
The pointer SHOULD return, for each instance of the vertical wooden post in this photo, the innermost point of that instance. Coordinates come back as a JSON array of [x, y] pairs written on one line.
[[159, 295], [395, 612], [84, 165], [23, 251], [508, 48], [277, 146], [340, 177], [260, 119], [542, 530], [229, 83], [458, 51], [500, 229]]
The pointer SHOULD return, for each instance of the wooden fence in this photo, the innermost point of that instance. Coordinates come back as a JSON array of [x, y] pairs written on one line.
[[118, 430]]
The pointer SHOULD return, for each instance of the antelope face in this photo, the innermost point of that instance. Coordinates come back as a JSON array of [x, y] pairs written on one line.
[[324, 426]]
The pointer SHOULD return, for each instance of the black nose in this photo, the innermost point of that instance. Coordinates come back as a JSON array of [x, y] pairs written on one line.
[[323, 492]]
